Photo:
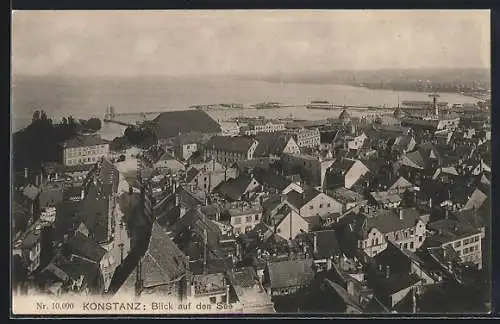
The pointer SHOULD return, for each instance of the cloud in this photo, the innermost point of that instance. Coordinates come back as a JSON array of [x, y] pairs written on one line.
[[194, 42]]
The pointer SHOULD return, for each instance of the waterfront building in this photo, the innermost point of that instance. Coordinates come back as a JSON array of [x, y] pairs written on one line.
[[258, 127], [84, 149], [170, 124]]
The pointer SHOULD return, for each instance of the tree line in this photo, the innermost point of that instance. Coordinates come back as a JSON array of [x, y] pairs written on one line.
[[40, 141]]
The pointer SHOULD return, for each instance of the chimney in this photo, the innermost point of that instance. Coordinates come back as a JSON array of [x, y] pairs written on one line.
[[177, 200], [430, 202], [315, 243], [387, 272], [130, 190], [446, 213], [26, 173], [401, 214], [380, 268], [82, 193]]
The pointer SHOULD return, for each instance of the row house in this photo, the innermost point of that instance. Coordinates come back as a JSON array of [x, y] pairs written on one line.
[[274, 145], [287, 278], [306, 138], [465, 240], [244, 218], [228, 150], [405, 227]]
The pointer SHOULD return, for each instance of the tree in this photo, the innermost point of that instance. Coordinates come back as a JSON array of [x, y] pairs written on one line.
[[93, 124], [36, 116]]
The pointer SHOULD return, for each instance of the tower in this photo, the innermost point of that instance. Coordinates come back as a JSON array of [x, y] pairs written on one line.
[[434, 97]]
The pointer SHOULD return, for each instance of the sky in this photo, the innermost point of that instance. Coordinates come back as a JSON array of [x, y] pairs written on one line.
[[224, 42]]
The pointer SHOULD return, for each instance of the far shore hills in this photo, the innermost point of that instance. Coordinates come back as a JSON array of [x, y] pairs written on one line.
[[439, 80]]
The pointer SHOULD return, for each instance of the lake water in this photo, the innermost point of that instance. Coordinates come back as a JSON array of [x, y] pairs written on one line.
[[87, 97]]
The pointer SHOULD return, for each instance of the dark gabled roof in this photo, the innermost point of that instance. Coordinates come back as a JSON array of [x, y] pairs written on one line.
[[393, 256], [171, 123], [234, 188], [237, 144], [387, 221], [262, 163], [84, 140], [93, 212], [191, 174], [70, 192], [272, 202], [271, 179], [328, 136], [402, 142], [343, 164], [342, 293], [195, 222], [49, 196], [326, 244], [270, 144], [83, 246], [31, 192], [290, 273], [468, 217], [163, 260], [448, 230], [415, 159], [383, 286], [300, 199]]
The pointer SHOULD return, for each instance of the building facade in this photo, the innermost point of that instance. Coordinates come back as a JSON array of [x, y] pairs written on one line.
[[84, 149]]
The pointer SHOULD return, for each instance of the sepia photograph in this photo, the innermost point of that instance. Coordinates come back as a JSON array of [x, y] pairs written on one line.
[[250, 162]]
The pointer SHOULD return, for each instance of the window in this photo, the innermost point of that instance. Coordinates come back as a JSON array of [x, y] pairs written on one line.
[[237, 230], [328, 205], [248, 219], [237, 220], [411, 245], [373, 242], [476, 238], [213, 300], [466, 241], [458, 244], [376, 241], [257, 217], [406, 245], [420, 238], [411, 231], [397, 236], [466, 250], [476, 248], [320, 205]]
